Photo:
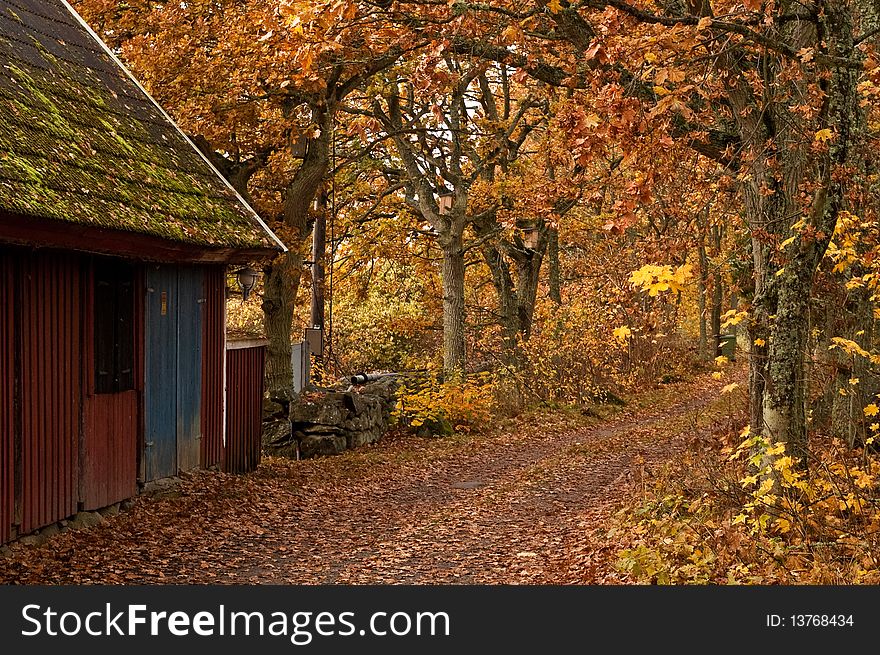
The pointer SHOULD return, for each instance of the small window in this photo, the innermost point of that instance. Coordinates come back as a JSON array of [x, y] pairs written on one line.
[[114, 326]]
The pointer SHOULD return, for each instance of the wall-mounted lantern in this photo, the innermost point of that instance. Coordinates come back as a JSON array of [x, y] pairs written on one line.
[[247, 279]]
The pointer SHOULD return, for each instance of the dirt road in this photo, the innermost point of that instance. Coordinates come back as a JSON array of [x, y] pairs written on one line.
[[523, 507]]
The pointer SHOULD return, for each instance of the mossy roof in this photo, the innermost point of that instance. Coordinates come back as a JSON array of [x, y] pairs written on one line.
[[80, 142]]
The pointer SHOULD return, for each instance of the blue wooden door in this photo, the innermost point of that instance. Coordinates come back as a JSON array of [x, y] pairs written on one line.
[[191, 302], [160, 372]]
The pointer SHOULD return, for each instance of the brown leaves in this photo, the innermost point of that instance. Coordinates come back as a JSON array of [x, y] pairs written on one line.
[[387, 513]]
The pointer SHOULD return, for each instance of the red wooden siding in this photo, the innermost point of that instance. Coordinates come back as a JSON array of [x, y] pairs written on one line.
[[50, 387], [244, 408], [7, 397], [213, 359]]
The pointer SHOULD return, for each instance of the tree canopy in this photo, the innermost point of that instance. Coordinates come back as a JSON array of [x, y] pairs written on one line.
[[553, 201]]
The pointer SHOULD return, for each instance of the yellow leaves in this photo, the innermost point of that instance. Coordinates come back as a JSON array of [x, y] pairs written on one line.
[[656, 279], [661, 91], [295, 24], [730, 387], [650, 57], [783, 509], [776, 449], [852, 503], [445, 406], [783, 464], [591, 120], [717, 375], [862, 479], [871, 410], [848, 346], [765, 488], [782, 525], [721, 360], [747, 442], [823, 135], [555, 6], [749, 481], [622, 333], [512, 32], [760, 342], [732, 317]]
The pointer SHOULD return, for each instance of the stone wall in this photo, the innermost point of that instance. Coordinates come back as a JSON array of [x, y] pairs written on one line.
[[332, 422]]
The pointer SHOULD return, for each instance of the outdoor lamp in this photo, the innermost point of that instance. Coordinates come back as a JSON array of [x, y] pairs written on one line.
[[247, 278]]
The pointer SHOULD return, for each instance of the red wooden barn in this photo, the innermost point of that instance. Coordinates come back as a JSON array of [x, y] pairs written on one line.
[[115, 237]]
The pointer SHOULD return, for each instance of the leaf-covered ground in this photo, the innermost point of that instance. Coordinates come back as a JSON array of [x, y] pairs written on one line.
[[525, 505]]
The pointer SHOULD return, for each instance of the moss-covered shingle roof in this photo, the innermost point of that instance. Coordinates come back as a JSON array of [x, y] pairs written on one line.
[[80, 142]]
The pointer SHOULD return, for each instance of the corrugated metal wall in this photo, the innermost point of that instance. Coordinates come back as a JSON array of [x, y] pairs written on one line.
[[51, 311], [244, 408], [7, 397], [60, 442], [173, 360], [160, 394], [110, 423], [214, 343], [110, 449], [191, 302], [109, 472]]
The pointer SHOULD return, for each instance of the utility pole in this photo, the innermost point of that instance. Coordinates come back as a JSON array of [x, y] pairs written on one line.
[[319, 247]]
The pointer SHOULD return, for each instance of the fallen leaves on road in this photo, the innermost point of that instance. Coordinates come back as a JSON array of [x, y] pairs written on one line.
[[405, 510]]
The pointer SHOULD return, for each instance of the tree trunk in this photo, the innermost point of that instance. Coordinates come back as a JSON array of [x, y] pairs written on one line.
[[516, 300], [452, 276], [281, 282], [717, 292], [553, 251], [702, 284], [283, 279], [528, 271], [783, 403], [508, 314], [715, 311]]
